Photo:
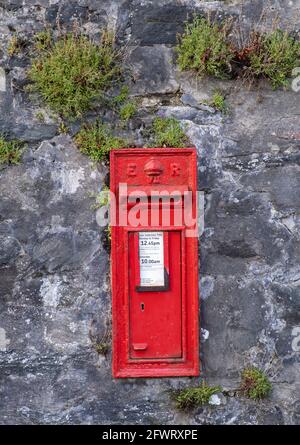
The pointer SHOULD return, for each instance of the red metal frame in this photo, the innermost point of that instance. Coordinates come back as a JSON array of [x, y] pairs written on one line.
[[188, 364]]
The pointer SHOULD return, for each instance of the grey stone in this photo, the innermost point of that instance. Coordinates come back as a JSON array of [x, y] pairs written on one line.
[[11, 5], [2, 80], [155, 24], [187, 99], [282, 193], [152, 71], [65, 13]]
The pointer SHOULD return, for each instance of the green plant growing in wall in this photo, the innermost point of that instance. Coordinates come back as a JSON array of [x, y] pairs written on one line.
[[120, 98], [127, 111], [102, 347], [193, 397], [126, 108], [204, 48], [62, 128], [255, 384], [102, 344], [168, 133], [15, 45], [218, 101], [10, 151], [274, 57], [43, 40], [208, 48], [102, 198], [96, 140], [40, 116], [73, 71]]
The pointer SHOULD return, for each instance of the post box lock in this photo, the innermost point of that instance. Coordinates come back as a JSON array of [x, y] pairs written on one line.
[[154, 263]]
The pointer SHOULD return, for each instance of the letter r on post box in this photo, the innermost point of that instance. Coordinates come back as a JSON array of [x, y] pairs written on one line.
[[154, 263]]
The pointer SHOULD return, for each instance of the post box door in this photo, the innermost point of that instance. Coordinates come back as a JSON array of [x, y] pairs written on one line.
[[154, 304], [155, 295]]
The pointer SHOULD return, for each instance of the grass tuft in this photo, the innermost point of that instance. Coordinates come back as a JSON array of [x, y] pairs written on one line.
[[204, 48], [122, 96], [15, 46], [10, 151], [62, 128], [96, 140], [127, 111], [102, 198], [102, 343], [102, 348], [218, 101], [274, 57], [168, 133], [72, 72], [208, 48], [255, 384], [193, 397]]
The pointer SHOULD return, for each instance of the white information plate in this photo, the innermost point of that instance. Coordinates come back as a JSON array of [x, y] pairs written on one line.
[[151, 257]]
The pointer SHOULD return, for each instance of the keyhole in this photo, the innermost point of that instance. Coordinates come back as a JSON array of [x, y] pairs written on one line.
[[142, 306]]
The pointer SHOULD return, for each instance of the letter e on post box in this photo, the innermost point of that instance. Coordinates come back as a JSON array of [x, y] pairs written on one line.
[[154, 263]]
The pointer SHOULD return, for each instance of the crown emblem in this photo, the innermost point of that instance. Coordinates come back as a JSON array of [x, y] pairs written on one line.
[[153, 168]]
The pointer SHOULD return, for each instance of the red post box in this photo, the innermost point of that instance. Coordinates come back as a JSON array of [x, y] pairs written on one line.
[[154, 262]]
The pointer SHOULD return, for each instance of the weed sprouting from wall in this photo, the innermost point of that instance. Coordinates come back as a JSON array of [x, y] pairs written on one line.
[[127, 111], [102, 199], [15, 46], [96, 140], [10, 151], [72, 72], [122, 97], [274, 57], [209, 48], [218, 101], [168, 133], [102, 343], [204, 48], [192, 397], [255, 384]]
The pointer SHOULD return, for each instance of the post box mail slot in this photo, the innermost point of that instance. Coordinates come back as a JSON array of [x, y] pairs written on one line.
[[154, 263]]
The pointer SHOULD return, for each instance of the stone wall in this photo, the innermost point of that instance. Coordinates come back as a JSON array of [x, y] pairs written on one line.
[[54, 288]]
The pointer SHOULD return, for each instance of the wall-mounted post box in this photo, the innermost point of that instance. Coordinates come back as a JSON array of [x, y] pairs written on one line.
[[154, 262]]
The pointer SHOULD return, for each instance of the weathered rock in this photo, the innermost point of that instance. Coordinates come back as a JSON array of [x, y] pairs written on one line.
[[152, 71]]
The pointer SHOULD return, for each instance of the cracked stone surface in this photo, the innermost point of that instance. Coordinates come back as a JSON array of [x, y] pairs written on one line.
[[54, 261]]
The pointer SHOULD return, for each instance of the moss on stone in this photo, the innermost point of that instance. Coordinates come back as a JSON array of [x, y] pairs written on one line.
[[255, 384], [15, 45], [102, 348], [193, 397], [62, 128], [10, 151], [40, 116]]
